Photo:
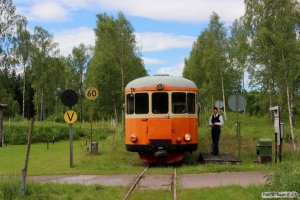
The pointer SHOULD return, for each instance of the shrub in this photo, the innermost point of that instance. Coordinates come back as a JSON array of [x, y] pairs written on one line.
[[17, 133], [286, 177]]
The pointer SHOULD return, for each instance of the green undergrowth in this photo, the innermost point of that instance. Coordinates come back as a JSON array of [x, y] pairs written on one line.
[[17, 132]]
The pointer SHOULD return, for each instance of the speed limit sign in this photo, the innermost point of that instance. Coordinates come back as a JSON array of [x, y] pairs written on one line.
[[91, 93]]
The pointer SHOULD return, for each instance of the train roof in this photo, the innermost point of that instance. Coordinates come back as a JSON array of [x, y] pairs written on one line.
[[148, 81]]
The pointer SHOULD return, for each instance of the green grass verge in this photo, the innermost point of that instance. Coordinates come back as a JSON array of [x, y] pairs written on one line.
[[228, 193], [10, 190], [111, 159], [114, 159]]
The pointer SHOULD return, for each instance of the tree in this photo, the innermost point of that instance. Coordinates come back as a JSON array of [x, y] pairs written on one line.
[[239, 50], [273, 26], [8, 23], [115, 62], [208, 64], [22, 48], [43, 49], [80, 58]]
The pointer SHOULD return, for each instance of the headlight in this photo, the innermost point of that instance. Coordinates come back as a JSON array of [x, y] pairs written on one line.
[[133, 138], [187, 137], [178, 140]]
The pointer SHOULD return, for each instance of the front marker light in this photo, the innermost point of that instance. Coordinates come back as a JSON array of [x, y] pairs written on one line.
[[187, 137], [133, 138]]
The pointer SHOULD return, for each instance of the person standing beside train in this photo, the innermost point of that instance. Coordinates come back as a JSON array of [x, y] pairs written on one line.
[[215, 121]]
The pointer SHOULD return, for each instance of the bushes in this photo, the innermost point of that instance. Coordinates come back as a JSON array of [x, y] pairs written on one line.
[[287, 176], [17, 133]]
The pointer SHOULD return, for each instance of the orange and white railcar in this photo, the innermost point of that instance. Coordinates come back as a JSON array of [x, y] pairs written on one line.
[[161, 121]]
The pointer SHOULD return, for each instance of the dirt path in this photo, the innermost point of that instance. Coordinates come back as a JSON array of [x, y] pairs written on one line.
[[161, 181]]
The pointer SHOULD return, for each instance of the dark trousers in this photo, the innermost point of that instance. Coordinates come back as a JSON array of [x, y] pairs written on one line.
[[215, 135]]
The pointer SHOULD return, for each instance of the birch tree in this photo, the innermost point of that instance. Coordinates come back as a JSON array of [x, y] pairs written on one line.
[[274, 25]]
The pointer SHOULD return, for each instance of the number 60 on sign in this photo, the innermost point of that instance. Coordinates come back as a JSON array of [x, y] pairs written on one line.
[[91, 93]]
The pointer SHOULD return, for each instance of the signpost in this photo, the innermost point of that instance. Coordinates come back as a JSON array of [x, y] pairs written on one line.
[[91, 93], [69, 98], [237, 103]]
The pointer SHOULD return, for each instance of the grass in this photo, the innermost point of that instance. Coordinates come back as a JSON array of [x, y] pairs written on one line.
[[10, 190], [114, 159], [228, 192]]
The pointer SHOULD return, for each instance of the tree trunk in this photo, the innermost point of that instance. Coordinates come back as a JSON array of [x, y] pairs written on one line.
[[223, 93], [81, 94], [291, 115], [289, 101], [42, 105], [24, 89], [115, 111]]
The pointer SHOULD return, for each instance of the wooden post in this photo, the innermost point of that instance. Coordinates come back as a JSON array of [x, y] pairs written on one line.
[[24, 170], [1, 128], [2, 108]]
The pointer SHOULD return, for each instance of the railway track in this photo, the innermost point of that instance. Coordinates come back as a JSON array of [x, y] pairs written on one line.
[[142, 175]]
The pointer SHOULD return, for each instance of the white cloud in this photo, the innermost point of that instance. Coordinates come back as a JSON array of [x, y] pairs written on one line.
[[68, 39], [46, 11], [163, 10], [175, 70], [162, 41], [150, 61], [177, 10]]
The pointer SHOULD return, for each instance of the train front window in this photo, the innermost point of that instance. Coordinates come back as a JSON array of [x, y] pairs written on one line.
[[141, 103], [191, 99], [178, 102], [130, 103], [160, 103]]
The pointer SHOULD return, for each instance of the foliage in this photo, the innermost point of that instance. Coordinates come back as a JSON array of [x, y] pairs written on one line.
[[286, 177], [115, 62], [9, 19], [79, 59], [46, 70], [207, 64], [273, 28], [17, 133]]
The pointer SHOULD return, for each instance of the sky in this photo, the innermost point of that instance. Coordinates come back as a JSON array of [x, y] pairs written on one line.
[[165, 29]]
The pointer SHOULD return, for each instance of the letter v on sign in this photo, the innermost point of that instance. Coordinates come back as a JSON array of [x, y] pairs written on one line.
[[70, 117]]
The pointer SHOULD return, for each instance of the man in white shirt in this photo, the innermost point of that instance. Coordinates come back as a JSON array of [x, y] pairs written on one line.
[[215, 121]]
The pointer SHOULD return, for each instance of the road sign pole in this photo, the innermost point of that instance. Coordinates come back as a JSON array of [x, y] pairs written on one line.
[[91, 93], [71, 146], [238, 126], [91, 131]]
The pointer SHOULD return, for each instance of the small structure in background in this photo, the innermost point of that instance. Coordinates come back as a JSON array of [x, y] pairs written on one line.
[[264, 150], [3, 107], [279, 132]]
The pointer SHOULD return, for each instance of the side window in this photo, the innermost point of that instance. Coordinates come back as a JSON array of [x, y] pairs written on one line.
[[130, 103], [191, 102], [141, 103], [160, 101], [178, 102]]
